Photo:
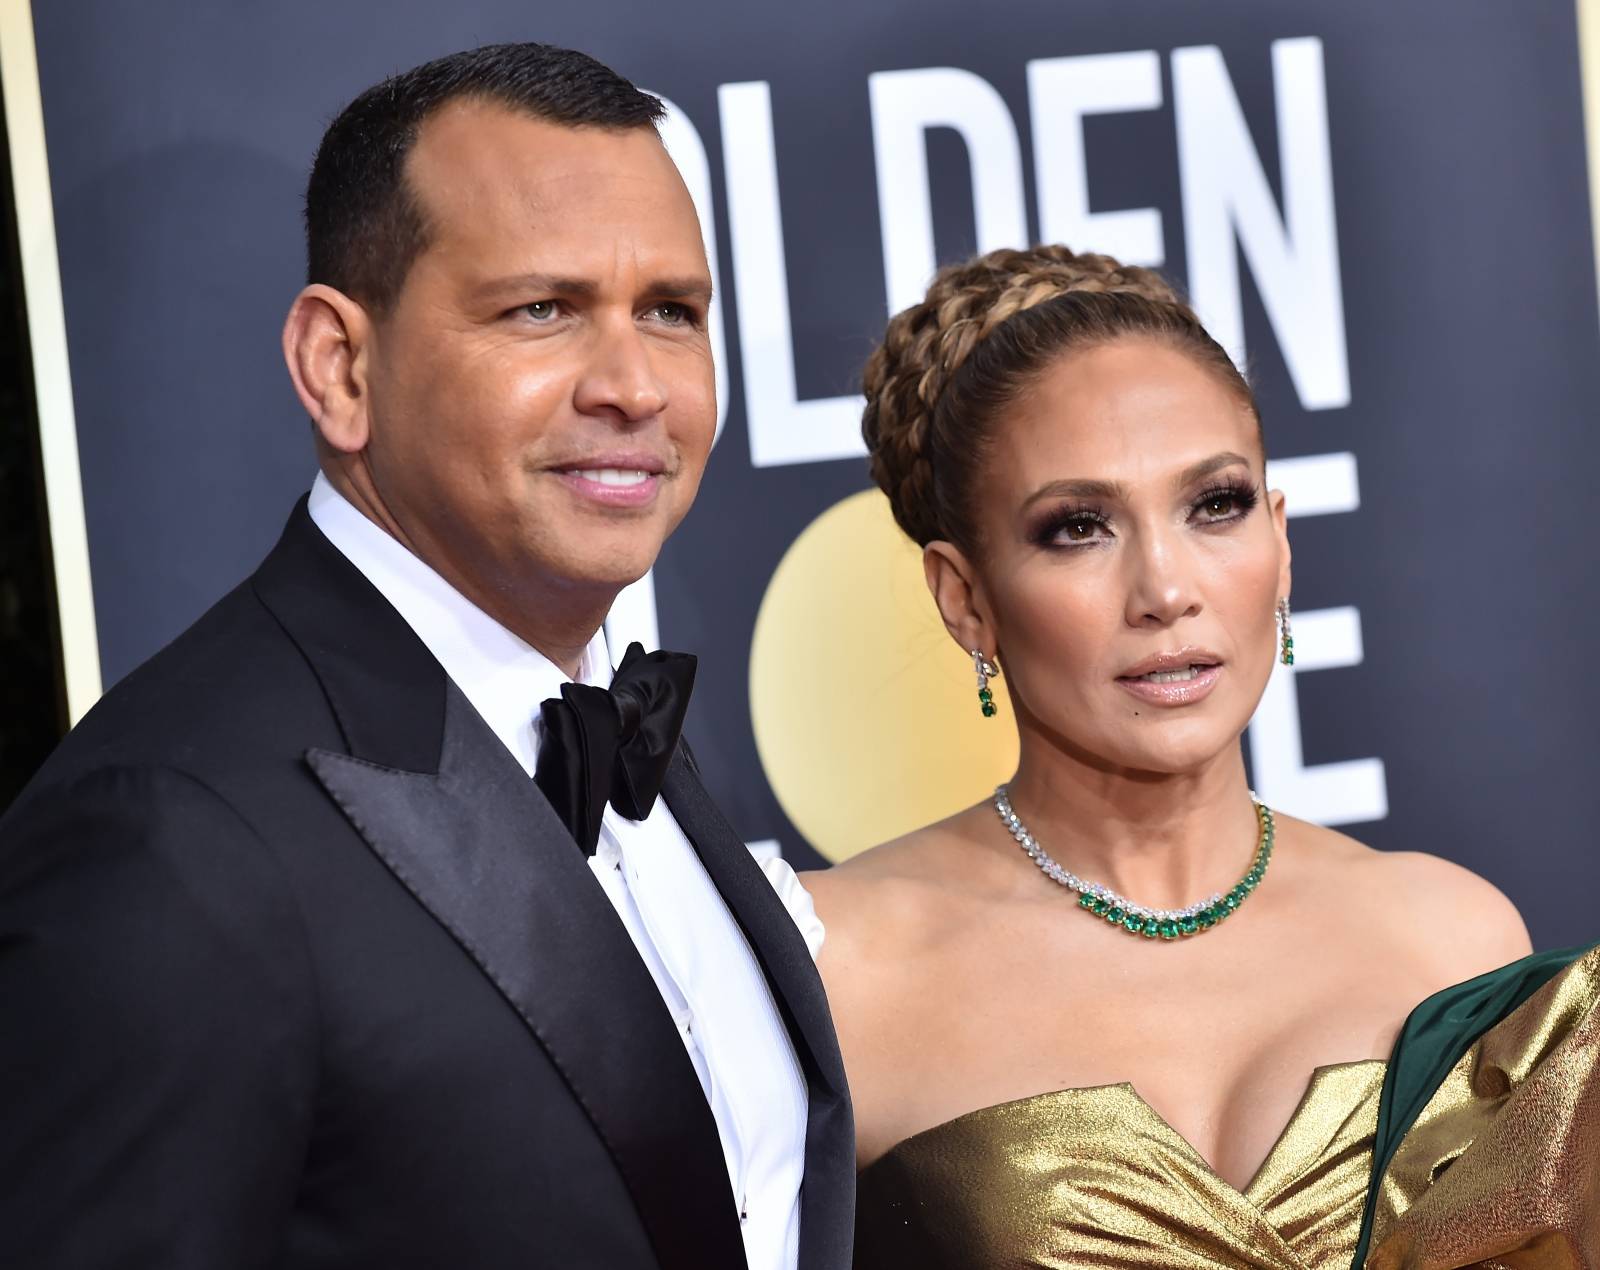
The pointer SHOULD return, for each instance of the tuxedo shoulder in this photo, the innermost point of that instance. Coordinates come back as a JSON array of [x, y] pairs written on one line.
[[132, 843], [230, 691]]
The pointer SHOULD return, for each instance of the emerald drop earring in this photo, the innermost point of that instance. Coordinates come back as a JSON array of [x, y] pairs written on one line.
[[1285, 634], [987, 670]]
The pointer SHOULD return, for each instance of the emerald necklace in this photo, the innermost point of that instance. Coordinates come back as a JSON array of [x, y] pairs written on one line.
[[1153, 923]]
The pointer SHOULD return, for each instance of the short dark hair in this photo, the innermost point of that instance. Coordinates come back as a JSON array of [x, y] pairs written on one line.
[[364, 227]]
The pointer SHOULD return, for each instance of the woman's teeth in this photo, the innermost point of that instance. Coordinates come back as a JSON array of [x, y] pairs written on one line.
[[612, 476], [1170, 676]]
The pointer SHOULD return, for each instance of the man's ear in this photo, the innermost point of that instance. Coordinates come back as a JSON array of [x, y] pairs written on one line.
[[959, 595], [325, 343]]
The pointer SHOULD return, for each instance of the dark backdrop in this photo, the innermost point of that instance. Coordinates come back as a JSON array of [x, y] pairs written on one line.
[[180, 134]]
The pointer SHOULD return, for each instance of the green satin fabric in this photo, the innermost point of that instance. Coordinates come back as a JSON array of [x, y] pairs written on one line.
[[1485, 1125]]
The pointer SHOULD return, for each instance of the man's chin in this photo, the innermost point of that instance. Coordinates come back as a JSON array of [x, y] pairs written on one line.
[[609, 571]]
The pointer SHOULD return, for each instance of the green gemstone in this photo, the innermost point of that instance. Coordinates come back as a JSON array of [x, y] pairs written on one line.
[[1086, 900], [985, 695], [1288, 659], [1228, 904], [989, 710], [1151, 928], [1188, 925], [1132, 923], [1206, 918], [1114, 916], [1168, 929]]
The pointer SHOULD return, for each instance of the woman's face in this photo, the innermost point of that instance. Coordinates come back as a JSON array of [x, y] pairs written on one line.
[[1131, 557]]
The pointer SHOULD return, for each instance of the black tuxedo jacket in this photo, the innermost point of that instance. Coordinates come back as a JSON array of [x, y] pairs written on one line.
[[299, 969]]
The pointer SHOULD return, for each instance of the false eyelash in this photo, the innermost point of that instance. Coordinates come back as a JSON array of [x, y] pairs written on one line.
[[1244, 493], [1045, 534]]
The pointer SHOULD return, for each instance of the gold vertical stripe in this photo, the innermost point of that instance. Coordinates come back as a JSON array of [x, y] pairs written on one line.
[[52, 377], [1589, 53]]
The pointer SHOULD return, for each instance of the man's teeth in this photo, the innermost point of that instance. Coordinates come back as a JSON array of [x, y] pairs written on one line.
[[613, 476], [1171, 676]]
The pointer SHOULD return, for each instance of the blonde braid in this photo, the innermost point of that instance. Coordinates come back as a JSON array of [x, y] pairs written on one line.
[[926, 344]]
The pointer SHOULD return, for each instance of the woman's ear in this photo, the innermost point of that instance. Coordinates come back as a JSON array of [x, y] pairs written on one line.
[[325, 342], [1280, 526], [959, 595]]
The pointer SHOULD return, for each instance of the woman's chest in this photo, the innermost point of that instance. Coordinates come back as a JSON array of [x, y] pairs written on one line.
[[1221, 1050]]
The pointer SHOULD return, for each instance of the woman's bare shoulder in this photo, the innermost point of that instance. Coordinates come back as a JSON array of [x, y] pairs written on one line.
[[891, 897], [893, 873], [1454, 921]]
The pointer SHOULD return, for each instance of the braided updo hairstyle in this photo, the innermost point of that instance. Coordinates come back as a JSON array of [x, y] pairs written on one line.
[[987, 327]]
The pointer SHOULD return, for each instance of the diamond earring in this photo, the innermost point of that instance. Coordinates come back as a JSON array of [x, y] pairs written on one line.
[[1285, 634], [987, 670]]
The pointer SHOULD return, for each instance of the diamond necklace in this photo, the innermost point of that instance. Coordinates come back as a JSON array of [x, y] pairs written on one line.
[[1137, 919]]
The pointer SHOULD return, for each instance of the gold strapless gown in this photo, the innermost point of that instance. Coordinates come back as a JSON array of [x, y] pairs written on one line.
[[1501, 1168]]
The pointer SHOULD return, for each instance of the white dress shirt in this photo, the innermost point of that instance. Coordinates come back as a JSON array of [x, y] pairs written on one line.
[[700, 961]]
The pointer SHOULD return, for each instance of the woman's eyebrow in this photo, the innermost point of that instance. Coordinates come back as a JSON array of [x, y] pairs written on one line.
[[1205, 467], [1082, 488], [1077, 489]]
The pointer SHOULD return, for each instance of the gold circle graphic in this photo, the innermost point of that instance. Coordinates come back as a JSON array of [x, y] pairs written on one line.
[[865, 712]]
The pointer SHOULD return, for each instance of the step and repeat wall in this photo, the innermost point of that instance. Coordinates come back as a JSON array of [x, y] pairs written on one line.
[[1382, 210]]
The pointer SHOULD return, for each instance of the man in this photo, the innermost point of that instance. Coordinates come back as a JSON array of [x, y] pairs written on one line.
[[350, 930]]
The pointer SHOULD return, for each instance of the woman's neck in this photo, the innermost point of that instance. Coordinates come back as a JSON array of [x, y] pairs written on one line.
[[1163, 840]]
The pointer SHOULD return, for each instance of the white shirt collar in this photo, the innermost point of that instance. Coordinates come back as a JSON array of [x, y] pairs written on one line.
[[502, 675]]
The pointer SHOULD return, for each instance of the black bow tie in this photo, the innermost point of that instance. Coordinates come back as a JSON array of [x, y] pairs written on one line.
[[613, 744]]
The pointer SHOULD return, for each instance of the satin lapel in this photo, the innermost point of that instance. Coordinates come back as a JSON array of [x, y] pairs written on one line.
[[827, 1202], [384, 686], [485, 854]]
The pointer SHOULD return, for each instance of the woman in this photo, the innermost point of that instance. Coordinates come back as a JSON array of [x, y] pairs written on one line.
[[1122, 1015]]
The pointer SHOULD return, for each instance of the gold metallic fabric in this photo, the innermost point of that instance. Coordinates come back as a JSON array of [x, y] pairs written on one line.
[[1094, 1177], [1502, 1168]]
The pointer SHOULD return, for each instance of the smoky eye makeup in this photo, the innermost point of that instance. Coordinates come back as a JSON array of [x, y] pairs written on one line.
[[1069, 525], [1224, 501]]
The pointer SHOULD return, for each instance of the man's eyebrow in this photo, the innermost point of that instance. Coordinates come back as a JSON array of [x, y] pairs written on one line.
[[538, 285], [688, 288], [535, 286]]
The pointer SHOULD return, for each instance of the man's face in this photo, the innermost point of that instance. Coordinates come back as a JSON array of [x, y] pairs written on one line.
[[542, 398]]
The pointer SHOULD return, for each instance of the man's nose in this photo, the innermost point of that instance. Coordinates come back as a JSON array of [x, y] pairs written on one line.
[[620, 377]]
